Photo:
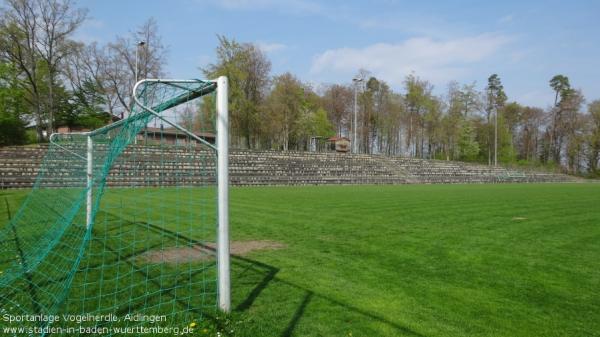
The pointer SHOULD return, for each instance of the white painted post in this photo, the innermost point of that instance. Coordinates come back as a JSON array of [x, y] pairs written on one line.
[[223, 195], [89, 174]]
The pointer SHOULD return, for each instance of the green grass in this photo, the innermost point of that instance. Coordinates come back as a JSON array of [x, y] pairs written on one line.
[[415, 260]]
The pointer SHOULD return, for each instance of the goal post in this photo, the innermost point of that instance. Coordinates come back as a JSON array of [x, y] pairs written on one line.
[[129, 218], [222, 149], [223, 193]]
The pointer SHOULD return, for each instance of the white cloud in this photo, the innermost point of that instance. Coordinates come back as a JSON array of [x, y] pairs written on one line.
[[519, 55], [436, 60], [537, 97], [271, 47], [94, 24], [90, 31], [413, 24], [295, 6], [507, 18]]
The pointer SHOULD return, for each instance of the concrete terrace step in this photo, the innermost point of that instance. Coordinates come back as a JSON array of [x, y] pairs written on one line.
[[151, 166]]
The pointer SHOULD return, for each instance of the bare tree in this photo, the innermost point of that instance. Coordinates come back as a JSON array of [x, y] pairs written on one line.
[[594, 137], [528, 144], [119, 63], [35, 37], [88, 65], [58, 20], [111, 68], [338, 100]]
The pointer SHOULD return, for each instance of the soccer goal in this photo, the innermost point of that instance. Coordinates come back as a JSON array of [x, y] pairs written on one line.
[[126, 225]]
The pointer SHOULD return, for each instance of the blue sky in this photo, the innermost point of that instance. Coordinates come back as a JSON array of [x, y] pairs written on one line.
[[525, 42]]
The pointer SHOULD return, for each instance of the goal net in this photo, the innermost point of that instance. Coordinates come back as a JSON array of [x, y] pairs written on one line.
[[126, 225]]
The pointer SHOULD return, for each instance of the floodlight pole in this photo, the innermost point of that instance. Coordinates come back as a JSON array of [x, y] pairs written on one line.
[[137, 47], [224, 290], [496, 137], [354, 137], [89, 176]]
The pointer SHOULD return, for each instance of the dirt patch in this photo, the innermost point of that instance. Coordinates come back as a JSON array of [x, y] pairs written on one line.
[[205, 253], [177, 255], [519, 218]]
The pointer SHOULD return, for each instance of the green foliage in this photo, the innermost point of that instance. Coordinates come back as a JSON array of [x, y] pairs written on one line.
[[12, 108], [247, 69], [264, 115], [506, 150], [81, 108], [322, 125], [495, 93], [512, 115], [294, 114], [467, 144], [418, 100], [12, 130], [594, 138], [561, 86], [31, 136]]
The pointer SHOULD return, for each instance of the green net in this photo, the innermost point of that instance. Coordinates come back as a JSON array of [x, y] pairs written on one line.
[[143, 257]]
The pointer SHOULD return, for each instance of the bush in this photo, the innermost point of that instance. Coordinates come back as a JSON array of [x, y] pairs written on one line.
[[12, 130]]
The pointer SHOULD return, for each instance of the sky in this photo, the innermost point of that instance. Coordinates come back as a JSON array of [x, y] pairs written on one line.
[[325, 42]]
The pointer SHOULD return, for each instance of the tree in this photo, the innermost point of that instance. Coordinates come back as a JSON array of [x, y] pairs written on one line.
[[561, 86], [495, 101], [389, 108], [111, 69], [368, 116], [432, 125], [86, 71], [417, 99], [529, 139], [284, 106], [82, 107], [322, 125], [119, 64], [18, 38], [391, 123], [248, 69], [35, 37], [12, 102], [338, 101], [510, 119], [462, 103], [59, 19], [573, 130], [468, 146], [562, 89], [594, 137]]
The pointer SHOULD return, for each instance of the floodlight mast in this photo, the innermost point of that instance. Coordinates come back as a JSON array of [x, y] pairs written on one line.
[[224, 287], [137, 47], [356, 80]]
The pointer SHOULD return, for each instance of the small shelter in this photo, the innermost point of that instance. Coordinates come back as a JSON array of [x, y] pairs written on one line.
[[339, 144]]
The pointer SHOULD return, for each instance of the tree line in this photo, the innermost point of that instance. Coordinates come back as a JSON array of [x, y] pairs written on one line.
[[282, 112], [48, 79]]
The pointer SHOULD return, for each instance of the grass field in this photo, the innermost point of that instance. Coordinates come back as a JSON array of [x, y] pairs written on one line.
[[415, 260]]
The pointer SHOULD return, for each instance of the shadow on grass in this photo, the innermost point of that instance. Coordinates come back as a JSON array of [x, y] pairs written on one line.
[[297, 315], [266, 276], [269, 274]]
